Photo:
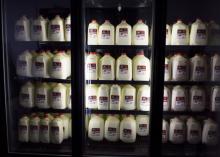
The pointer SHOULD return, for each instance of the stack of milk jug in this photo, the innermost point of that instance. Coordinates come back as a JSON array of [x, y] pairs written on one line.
[[44, 64], [106, 68], [106, 34], [45, 128], [41, 29]]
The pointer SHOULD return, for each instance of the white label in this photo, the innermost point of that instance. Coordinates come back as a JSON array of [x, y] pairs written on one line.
[[145, 101], [112, 132], [126, 133], [103, 101], [180, 101], [129, 100], [197, 100], [39, 67], [115, 99], [56, 97], [26, 98], [123, 69], [37, 29], [91, 68], [201, 34], [181, 71], [40, 98], [181, 34], [143, 127], [68, 27], [22, 65], [20, 29], [140, 35], [57, 66], [105, 34], [123, 32], [55, 29], [96, 132], [106, 69], [92, 99], [93, 33], [141, 69], [199, 71]]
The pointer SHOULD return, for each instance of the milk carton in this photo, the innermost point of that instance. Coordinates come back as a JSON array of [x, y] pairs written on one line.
[[115, 97], [123, 33], [69, 96], [22, 29], [93, 29], [39, 29], [42, 95], [197, 99], [112, 128], [56, 30], [179, 99], [91, 96], [165, 131], [23, 129], [177, 131], [194, 131], [103, 97], [128, 98], [96, 128], [140, 33], [57, 130], [68, 28], [142, 125], [91, 66], [107, 67], [214, 33], [34, 129], [210, 132], [168, 34], [58, 98], [166, 99], [215, 67], [128, 130], [45, 129], [215, 98], [143, 98], [167, 69], [65, 120], [106, 34], [124, 68], [26, 95]]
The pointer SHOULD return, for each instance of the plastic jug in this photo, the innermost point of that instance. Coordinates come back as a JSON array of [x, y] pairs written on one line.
[[103, 97], [124, 68], [128, 130], [45, 129], [42, 95], [91, 66], [141, 67], [39, 29], [58, 98], [210, 132], [166, 99], [167, 69], [56, 30], [143, 98], [91, 96], [215, 67], [123, 33], [165, 131], [214, 33], [93, 29], [197, 99], [22, 29], [23, 129], [106, 35], [168, 34], [26, 95], [194, 131], [112, 128], [215, 98], [140, 33], [96, 128], [34, 129], [69, 96], [65, 120], [107, 67], [70, 128], [177, 131], [57, 130], [142, 125], [115, 97], [68, 28], [128, 98], [179, 99]]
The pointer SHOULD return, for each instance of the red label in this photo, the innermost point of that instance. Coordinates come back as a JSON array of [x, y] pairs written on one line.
[[95, 130]]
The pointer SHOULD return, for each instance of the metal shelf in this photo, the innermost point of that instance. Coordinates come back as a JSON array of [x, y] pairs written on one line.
[[196, 48], [116, 82], [212, 83], [49, 110], [191, 113], [21, 78], [116, 47], [133, 112]]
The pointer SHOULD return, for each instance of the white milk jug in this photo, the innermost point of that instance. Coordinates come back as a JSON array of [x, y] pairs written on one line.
[[167, 69], [140, 33], [45, 129], [197, 100], [194, 131], [91, 96], [103, 97], [58, 98], [177, 131], [115, 97], [56, 130], [142, 125], [26, 95], [23, 129], [22, 29], [179, 99], [123, 33], [168, 34], [166, 99], [112, 128], [128, 98], [68, 28], [96, 128], [69, 96], [56, 30], [128, 130], [143, 98], [93, 29], [210, 132], [124, 68], [141, 67], [34, 129], [165, 131], [214, 33], [215, 67], [42, 95], [107, 67], [65, 120], [92, 66], [106, 35], [70, 128], [39, 29], [215, 98]]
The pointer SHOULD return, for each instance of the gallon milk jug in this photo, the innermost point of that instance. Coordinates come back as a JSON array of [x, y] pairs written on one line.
[[215, 98], [214, 33], [56, 30], [65, 120], [180, 68], [215, 67], [107, 67], [103, 97], [128, 98], [124, 68], [70, 128], [128, 130], [177, 131], [210, 132], [93, 29], [42, 95], [22, 29], [24, 64], [23, 129], [166, 99], [141, 67], [34, 129], [198, 66], [194, 131], [143, 98], [197, 100], [165, 131], [142, 125], [39, 29], [115, 97], [112, 130], [106, 35], [179, 99], [45, 129], [199, 33], [180, 34], [26, 95], [123, 33], [168, 34], [91, 96], [58, 96], [167, 69], [96, 128], [68, 28], [91, 66], [140, 33], [56, 130], [69, 96]]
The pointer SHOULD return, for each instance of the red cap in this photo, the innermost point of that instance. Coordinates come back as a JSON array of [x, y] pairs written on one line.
[[141, 52], [93, 53], [93, 20], [140, 20], [107, 53]]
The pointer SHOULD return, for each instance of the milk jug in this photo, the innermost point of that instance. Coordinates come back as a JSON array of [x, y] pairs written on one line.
[[179, 99], [124, 68], [215, 98], [56, 130], [69, 96], [39, 29], [91, 66], [91, 96], [198, 66], [70, 128], [56, 30], [210, 132], [165, 131], [42, 95], [140, 33], [180, 68], [167, 69], [26, 95], [107, 67], [112, 130], [197, 99], [58, 96], [143, 98], [168, 34], [65, 120], [214, 33], [199, 33], [103, 97], [24, 64], [68, 28], [23, 129], [141, 67], [45, 129], [115, 97], [194, 131], [177, 131], [93, 29], [34, 129], [215, 67], [166, 99], [142, 125], [128, 98], [123, 33], [96, 128], [22, 29], [128, 130], [106, 34]]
